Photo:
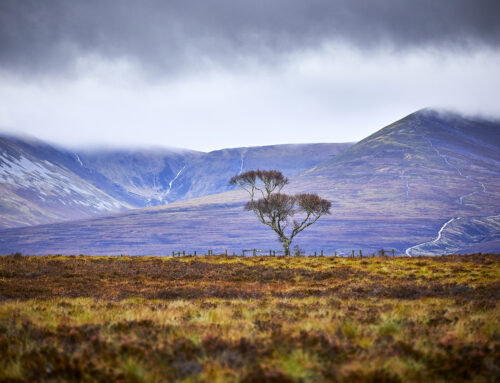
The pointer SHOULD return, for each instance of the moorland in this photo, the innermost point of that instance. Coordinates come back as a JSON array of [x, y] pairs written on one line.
[[252, 319]]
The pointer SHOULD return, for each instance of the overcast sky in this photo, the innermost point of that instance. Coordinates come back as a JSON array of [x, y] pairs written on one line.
[[210, 74]]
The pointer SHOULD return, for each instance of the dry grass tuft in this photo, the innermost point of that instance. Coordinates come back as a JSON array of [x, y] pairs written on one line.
[[263, 319]]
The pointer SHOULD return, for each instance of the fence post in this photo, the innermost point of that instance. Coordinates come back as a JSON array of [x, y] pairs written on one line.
[[353, 253], [360, 254], [254, 252], [226, 252], [335, 253], [393, 252], [321, 252]]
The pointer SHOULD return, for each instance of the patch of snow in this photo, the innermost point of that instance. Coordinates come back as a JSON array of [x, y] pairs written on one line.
[[49, 180]]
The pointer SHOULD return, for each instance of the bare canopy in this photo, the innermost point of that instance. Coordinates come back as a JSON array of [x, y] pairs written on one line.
[[276, 209]]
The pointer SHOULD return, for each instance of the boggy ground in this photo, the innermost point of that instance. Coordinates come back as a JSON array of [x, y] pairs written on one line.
[[262, 319]]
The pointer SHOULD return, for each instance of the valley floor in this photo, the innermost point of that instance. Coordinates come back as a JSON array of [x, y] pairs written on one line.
[[255, 319]]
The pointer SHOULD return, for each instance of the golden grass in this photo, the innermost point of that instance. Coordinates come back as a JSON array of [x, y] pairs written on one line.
[[274, 319]]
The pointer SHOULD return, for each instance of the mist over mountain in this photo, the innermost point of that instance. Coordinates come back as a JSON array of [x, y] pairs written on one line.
[[426, 184], [43, 183], [40, 183], [429, 167]]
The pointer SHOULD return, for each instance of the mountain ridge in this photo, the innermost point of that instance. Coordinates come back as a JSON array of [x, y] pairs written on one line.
[[122, 179], [395, 189]]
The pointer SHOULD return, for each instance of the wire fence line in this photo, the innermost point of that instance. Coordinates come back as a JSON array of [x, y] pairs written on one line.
[[274, 253]]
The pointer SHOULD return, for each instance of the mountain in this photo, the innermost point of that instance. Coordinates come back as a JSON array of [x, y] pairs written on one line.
[[209, 174], [40, 183], [143, 177], [431, 165], [43, 183], [426, 184], [440, 160]]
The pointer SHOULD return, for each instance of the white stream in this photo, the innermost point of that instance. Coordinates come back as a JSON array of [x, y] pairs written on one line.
[[173, 180], [460, 200], [78, 159], [408, 251], [445, 158], [242, 161], [407, 184]]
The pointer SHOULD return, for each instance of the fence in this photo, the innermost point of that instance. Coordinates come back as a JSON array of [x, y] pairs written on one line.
[[272, 253]]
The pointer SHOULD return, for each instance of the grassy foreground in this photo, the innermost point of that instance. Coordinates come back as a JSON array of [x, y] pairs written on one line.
[[262, 319]]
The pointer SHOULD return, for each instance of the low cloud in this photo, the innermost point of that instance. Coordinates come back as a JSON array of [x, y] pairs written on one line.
[[167, 37], [331, 95]]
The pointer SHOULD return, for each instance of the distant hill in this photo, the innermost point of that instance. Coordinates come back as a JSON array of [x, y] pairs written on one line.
[[144, 177], [209, 174], [41, 183], [426, 184]]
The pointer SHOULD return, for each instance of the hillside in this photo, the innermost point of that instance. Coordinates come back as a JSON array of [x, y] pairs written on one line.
[[397, 189], [432, 166], [145, 175], [41, 183], [165, 176], [442, 160], [209, 173]]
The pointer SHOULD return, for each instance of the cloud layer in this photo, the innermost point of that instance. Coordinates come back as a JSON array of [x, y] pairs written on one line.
[[211, 74], [51, 36]]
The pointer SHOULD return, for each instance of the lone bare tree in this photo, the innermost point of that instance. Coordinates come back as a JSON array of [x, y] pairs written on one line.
[[276, 209]]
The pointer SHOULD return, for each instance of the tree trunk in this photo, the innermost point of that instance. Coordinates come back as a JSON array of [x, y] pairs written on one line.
[[286, 246]]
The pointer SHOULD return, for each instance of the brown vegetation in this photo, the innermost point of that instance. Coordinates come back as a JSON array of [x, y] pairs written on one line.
[[257, 319]]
